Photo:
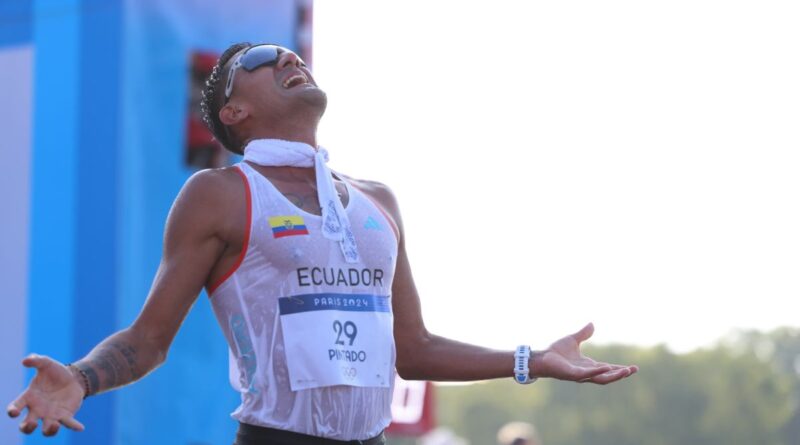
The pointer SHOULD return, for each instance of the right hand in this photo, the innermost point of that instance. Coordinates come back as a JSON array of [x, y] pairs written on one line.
[[54, 395]]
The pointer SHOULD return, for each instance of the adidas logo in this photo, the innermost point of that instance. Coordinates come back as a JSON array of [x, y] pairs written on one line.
[[372, 224]]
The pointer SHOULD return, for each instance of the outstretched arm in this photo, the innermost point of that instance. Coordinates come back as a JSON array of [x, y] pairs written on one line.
[[195, 240], [422, 355]]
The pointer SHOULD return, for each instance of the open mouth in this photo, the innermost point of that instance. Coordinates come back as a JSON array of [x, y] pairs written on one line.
[[295, 80]]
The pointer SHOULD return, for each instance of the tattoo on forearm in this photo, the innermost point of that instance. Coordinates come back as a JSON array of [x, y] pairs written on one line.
[[111, 365], [111, 369], [94, 380], [129, 353]]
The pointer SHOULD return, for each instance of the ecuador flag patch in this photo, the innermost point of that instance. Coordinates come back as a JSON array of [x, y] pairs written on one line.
[[287, 226]]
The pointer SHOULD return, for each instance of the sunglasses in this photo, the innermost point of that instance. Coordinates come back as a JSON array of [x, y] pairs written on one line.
[[253, 58]]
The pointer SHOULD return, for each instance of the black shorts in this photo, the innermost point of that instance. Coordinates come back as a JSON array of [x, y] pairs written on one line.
[[259, 435]]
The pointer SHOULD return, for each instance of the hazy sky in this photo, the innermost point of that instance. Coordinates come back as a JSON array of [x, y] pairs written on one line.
[[635, 164]]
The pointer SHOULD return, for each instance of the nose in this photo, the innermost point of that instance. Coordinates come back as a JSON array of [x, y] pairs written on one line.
[[288, 59]]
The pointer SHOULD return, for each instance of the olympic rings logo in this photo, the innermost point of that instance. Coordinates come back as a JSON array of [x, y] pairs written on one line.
[[349, 372]]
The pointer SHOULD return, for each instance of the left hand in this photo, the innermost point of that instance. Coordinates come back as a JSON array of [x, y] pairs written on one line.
[[563, 361]]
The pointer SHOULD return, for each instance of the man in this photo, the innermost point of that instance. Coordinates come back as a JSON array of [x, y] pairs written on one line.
[[308, 276]]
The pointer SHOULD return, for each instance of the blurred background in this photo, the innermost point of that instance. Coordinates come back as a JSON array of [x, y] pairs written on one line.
[[628, 163]]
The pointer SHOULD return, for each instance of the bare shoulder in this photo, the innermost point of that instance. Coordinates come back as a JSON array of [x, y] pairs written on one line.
[[214, 183], [209, 197], [214, 188]]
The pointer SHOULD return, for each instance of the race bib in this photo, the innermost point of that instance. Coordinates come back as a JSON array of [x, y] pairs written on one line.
[[337, 339]]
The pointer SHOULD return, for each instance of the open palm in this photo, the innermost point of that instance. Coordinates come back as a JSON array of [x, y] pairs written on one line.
[[563, 360], [53, 396]]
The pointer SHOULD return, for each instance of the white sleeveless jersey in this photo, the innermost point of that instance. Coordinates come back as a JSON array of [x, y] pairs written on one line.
[[310, 336]]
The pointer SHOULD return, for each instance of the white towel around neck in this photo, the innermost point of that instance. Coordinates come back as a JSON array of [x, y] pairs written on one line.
[[280, 153]]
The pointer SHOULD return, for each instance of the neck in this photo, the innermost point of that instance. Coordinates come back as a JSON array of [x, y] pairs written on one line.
[[309, 138], [297, 129]]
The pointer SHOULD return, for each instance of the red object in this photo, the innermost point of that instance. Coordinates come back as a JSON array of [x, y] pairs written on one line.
[[204, 61], [199, 135], [412, 408]]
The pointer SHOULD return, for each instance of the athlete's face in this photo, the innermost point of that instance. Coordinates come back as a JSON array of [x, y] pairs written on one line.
[[275, 88]]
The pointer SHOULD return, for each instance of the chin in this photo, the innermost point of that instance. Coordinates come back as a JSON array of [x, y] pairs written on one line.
[[316, 97]]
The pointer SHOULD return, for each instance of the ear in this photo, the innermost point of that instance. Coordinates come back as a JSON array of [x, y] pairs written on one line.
[[232, 114]]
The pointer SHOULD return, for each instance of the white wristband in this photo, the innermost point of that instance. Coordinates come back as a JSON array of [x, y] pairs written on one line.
[[521, 370]]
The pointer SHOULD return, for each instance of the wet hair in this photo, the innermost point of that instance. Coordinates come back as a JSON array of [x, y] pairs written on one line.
[[213, 98]]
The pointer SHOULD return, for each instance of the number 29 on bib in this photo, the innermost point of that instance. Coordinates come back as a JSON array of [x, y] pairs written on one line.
[[337, 339]]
